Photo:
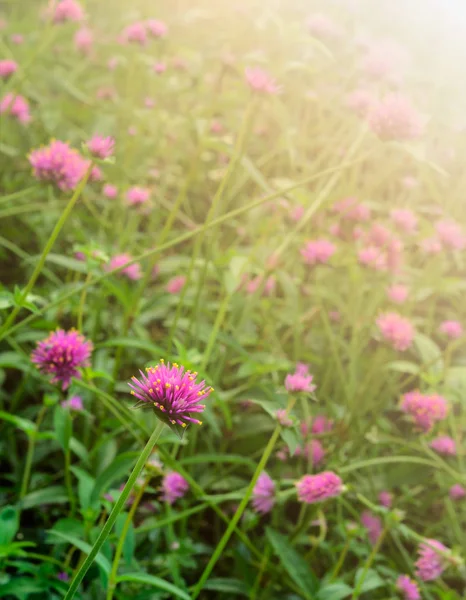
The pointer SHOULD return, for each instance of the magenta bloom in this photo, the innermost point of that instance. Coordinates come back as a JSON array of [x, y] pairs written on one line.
[[60, 164], [159, 67], [349, 208], [62, 576], [74, 403], [394, 118], [67, 10], [430, 563], [101, 147], [396, 329], [132, 272], [136, 33], [61, 354], [174, 486], [318, 251], [172, 391], [321, 425], [263, 494], [451, 235], [300, 380], [156, 28], [316, 451], [453, 329], [83, 40], [373, 257], [457, 492], [110, 191], [444, 445], [405, 219], [425, 409], [408, 587], [283, 418], [137, 195], [7, 67], [398, 293], [386, 499], [176, 284], [315, 488], [260, 81], [373, 525], [15, 106]]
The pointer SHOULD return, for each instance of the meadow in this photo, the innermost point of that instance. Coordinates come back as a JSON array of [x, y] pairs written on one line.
[[232, 346]]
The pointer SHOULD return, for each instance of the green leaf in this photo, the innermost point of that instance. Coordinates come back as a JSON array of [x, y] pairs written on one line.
[[55, 494], [9, 524], [291, 438], [372, 580], [129, 544], [294, 563], [21, 587], [100, 559], [403, 366], [155, 351], [334, 591], [232, 277], [227, 586], [429, 352], [23, 424], [85, 486], [156, 582], [118, 469], [62, 425]]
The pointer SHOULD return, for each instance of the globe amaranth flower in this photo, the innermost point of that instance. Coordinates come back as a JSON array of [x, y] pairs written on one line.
[[156, 28], [451, 234], [444, 445], [60, 164], [263, 494], [408, 587], [174, 486], [260, 81], [373, 257], [110, 191], [7, 67], [430, 563], [425, 409], [315, 488], [315, 451], [360, 102], [137, 195], [300, 380], [397, 330], [75, 403], [283, 418], [176, 284], [457, 492], [452, 329], [84, 40], [132, 271], [15, 106], [173, 393], [398, 293], [66, 10], [373, 526], [386, 498], [61, 355], [100, 146], [405, 219], [318, 251], [395, 118], [136, 33], [350, 209]]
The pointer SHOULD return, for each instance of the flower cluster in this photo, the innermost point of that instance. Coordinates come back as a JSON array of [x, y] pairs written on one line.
[[66, 10], [15, 106], [60, 164], [408, 587], [430, 563], [394, 118], [316, 488], [318, 251], [425, 409], [397, 330], [444, 445]]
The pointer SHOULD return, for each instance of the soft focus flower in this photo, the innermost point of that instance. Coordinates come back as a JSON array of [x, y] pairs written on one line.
[[62, 576], [100, 146], [60, 164], [360, 102], [173, 392], [451, 235], [373, 525], [74, 403], [405, 219], [300, 380], [283, 418], [83, 40], [7, 67], [431, 245], [66, 10], [315, 488], [263, 494], [149, 102], [394, 118], [136, 32], [453, 329], [17, 38], [132, 272], [159, 67], [373, 257], [137, 195], [156, 28], [321, 424], [316, 451], [110, 191], [397, 330], [176, 284], [408, 587], [174, 486], [398, 293], [15, 106], [318, 251], [112, 63], [383, 60], [61, 354], [457, 492], [321, 26], [425, 409], [352, 210], [260, 81], [444, 445], [95, 174], [430, 563], [386, 498]]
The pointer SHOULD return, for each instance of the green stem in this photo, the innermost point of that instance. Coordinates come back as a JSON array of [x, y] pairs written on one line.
[[341, 559], [115, 511], [68, 485], [48, 246], [30, 453], [369, 561]]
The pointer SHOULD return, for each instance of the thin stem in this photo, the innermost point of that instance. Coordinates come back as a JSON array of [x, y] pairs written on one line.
[[82, 302], [30, 453], [115, 511], [68, 484], [341, 559], [369, 561]]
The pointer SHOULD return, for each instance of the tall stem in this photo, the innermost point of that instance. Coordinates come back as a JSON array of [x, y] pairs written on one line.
[[30, 453], [369, 561], [115, 511], [69, 487]]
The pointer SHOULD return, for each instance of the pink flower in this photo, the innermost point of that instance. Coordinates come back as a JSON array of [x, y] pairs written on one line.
[[397, 330], [297, 213], [373, 525], [398, 293], [318, 251], [300, 381], [360, 102], [453, 329], [451, 234], [100, 146], [7, 68], [60, 164], [263, 494], [174, 486], [321, 26], [283, 418], [444, 445], [410, 182], [176, 284], [74, 403], [110, 191], [137, 195], [106, 93], [83, 40], [216, 126], [405, 219], [386, 498], [349, 208], [112, 63], [457, 492], [96, 174], [430, 563], [149, 103], [408, 587], [394, 118], [382, 60], [321, 425], [260, 81], [315, 449], [15, 106], [61, 354], [425, 409], [315, 488], [132, 272], [66, 10], [373, 257], [17, 38], [159, 67], [431, 245], [136, 32], [156, 28]]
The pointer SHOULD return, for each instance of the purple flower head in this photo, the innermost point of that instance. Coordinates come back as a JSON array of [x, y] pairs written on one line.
[[321, 425], [299, 381], [16, 107], [62, 576], [110, 191], [100, 146], [408, 587], [136, 33], [132, 272], [430, 563], [60, 164], [452, 329], [172, 392], [7, 68], [386, 498], [61, 354], [66, 10], [425, 409], [263, 498], [176, 284], [373, 525], [397, 330], [316, 451], [137, 195], [174, 486], [260, 81], [457, 492], [74, 403], [283, 418], [156, 28], [315, 488], [444, 445], [318, 251]]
